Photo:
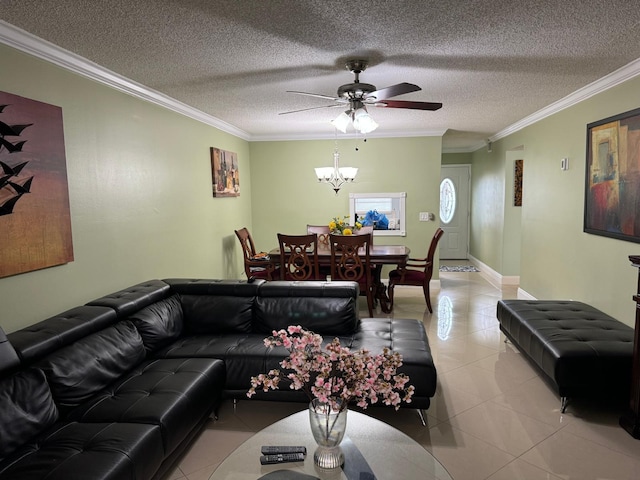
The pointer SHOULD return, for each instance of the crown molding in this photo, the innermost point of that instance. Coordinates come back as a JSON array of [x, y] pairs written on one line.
[[36, 46], [342, 136], [26, 42], [470, 149], [616, 77]]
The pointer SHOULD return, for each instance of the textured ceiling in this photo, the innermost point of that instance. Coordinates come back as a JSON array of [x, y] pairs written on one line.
[[490, 62]]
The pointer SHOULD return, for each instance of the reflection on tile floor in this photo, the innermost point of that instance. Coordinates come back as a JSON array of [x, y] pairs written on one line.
[[492, 417]]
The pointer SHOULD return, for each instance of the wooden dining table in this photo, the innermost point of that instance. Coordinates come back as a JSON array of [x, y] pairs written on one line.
[[379, 255]]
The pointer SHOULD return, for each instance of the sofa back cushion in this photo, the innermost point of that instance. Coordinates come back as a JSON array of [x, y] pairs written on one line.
[[39, 340], [326, 308], [216, 306], [77, 372], [26, 409], [217, 314], [129, 300], [160, 323], [8, 357]]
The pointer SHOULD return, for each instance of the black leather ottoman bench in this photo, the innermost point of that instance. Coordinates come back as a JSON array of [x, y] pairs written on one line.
[[580, 351]]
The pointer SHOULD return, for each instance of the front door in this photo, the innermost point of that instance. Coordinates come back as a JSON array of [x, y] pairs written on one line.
[[454, 211]]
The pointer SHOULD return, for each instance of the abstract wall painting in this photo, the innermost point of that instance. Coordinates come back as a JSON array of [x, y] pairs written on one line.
[[35, 221], [612, 190], [225, 173]]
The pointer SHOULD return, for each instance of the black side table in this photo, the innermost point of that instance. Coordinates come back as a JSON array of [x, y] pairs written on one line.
[[631, 420]]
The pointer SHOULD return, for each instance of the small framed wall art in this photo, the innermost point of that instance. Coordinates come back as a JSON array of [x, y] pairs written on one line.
[[518, 170], [225, 174]]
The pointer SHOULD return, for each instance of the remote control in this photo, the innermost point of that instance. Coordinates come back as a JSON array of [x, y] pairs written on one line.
[[281, 458], [276, 449]]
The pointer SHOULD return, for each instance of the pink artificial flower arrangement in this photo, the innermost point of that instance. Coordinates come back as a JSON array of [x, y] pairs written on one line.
[[335, 373]]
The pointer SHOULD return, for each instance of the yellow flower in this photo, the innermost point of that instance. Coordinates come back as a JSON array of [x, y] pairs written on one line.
[[347, 231], [358, 225], [332, 226], [341, 222]]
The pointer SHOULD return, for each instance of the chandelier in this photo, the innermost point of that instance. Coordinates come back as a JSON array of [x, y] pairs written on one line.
[[336, 176], [356, 115]]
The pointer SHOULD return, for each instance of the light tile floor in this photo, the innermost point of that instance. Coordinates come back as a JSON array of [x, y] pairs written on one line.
[[492, 417]]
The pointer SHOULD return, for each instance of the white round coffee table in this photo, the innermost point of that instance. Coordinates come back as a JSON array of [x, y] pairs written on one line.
[[389, 452]]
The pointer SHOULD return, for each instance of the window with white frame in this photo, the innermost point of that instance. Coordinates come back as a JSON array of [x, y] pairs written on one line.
[[392, 205]]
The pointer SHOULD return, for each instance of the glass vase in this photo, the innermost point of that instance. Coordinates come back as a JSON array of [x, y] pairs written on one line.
[[328, 423]]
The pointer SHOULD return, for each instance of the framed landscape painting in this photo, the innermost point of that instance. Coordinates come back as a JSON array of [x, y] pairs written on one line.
[[612, 190], [225, 174]]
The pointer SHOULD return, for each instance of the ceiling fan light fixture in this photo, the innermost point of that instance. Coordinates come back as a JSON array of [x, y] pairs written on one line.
[[363, 122], [341, 122]]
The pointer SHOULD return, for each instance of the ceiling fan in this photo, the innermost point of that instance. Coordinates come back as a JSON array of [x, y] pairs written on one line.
[[358, 96]]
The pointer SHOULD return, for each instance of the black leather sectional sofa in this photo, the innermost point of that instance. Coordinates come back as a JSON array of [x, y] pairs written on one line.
[[119, 387]]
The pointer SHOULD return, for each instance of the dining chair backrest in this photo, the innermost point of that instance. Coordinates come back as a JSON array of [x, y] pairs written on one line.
[[254, 268], [416, 271], [350, 261], [426, 264], [248, 247], [298, 257], [322, 231]]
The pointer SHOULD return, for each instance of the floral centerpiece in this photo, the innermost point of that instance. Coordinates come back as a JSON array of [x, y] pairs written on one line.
[[335, 375], [332, 378], [339, 226]]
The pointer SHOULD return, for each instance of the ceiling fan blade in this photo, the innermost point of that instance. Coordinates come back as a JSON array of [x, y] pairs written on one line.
[[394, 91], [318, 95], [312, 108], [411, 105]]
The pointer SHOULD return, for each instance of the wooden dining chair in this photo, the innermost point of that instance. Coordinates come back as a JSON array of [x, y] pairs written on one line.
[[350, 262], [255, 266], [417, 272], [322, 231], [298, 257]]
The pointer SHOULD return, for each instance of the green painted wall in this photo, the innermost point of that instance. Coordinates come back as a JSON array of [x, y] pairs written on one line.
[[140, 194], [487, 206], [511, 242], [558, 260], [286, 195], [457, 158]]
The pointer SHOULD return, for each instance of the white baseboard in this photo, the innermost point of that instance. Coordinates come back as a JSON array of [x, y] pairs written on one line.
[[492, 276], [499, 280], [525, 295]]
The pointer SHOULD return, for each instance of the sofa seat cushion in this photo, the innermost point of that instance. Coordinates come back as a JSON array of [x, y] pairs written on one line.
[[244, 355], [175, 394], [408, 337], [94, 451]]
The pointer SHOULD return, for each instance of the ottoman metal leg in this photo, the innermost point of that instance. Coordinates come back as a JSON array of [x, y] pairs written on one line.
[[563, 403], [421, 414]]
